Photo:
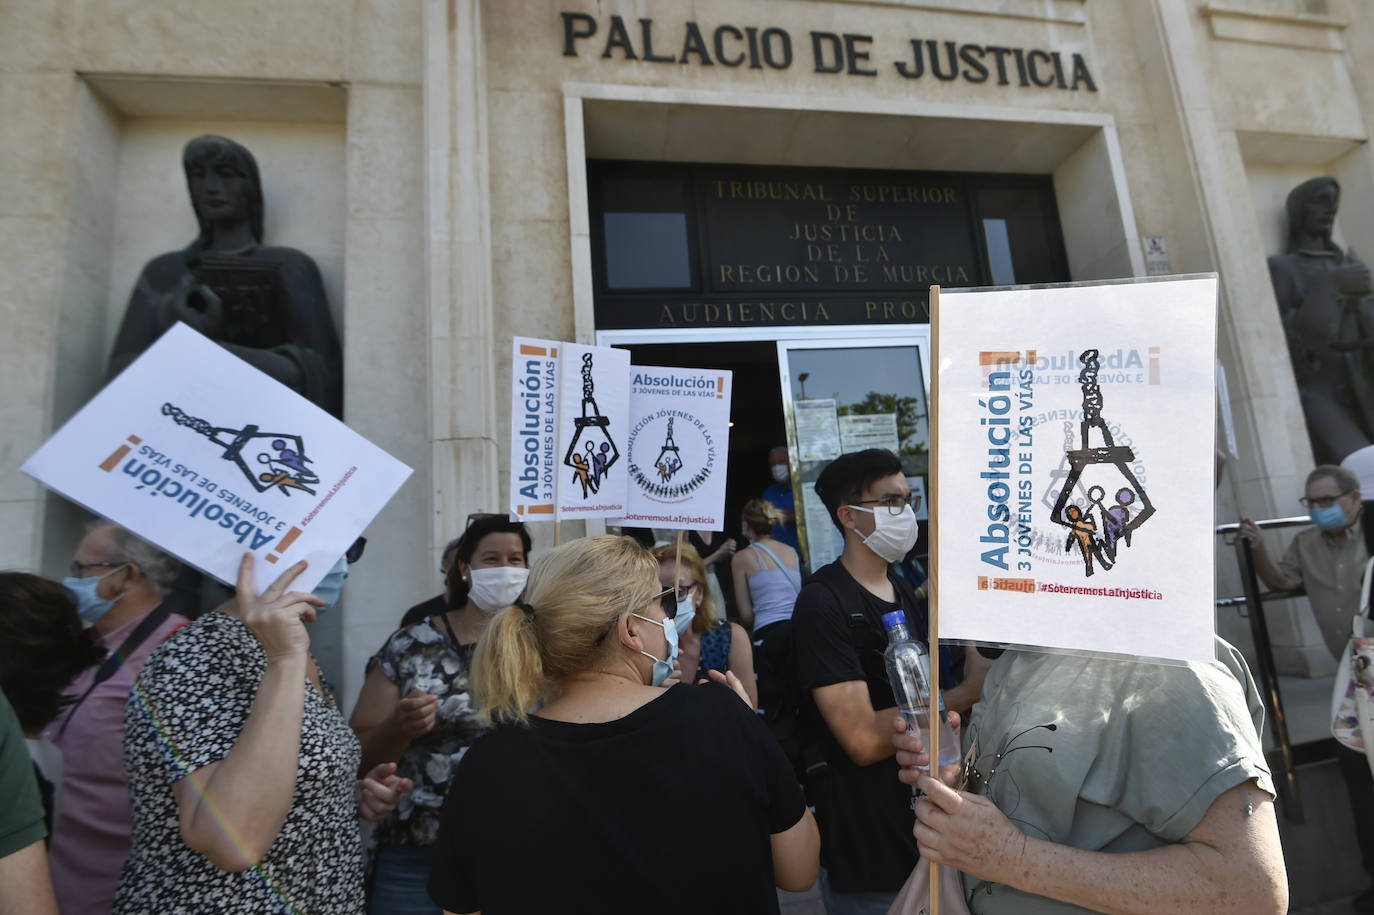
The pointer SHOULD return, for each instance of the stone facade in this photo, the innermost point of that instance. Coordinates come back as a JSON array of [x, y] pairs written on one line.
[[430, 156]]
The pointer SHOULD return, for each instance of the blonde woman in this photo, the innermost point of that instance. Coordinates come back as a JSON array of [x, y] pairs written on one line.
[[767, 581], [706, 642], [566, 810]]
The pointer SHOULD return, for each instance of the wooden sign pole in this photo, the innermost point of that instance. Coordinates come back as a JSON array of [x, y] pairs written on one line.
[[932, 579]]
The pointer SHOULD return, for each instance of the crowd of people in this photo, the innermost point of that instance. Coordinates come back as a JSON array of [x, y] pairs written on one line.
[[585, 730]]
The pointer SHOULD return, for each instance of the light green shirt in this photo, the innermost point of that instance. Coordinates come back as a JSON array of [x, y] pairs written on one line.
[[1330, 570], [1138, 753]]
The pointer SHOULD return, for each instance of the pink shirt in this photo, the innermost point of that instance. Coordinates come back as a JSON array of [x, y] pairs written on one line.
[[91, 833]]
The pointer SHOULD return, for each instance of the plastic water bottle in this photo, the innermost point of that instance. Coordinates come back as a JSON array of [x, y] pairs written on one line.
[[908, 671]]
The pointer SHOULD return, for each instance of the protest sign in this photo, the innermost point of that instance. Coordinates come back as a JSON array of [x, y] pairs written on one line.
[[1074, 459], [677, 446], [534, 454], [593, 418], [203, 455]]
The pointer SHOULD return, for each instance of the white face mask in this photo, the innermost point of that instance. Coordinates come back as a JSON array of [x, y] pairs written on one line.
[[780, 473], [893, 535], [496, 588]]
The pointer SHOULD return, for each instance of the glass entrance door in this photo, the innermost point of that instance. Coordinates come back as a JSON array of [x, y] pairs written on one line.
[[848, 392]]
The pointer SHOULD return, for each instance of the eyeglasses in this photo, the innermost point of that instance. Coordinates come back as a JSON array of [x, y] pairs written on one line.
[[78, 569], [683, 592], [895, 504], [1323, 501], [667, 599]]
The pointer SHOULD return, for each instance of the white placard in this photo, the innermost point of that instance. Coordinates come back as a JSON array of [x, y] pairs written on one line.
[[203, 455], [818, 432], [594, 409], [677, 447], [875, 430], [1075, 463], [535, 461]]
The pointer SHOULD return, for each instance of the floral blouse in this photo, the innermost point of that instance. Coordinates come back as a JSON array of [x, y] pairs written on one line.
[[186, 712], [426, 657]]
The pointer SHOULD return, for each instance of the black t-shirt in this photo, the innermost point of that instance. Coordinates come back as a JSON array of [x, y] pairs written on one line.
[[424, 610], [667, 810], [864, 812]]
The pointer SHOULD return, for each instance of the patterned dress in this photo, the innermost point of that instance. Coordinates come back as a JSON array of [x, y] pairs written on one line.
[[186, 712], [426, 657]]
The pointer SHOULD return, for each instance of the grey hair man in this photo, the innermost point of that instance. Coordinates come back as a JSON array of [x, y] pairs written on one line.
[[118, 581]]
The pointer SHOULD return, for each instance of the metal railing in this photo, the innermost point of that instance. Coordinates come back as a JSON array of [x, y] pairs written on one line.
[[1253, 599]]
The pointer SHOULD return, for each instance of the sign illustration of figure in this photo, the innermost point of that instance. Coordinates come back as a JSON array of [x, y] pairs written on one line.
[[1085, 532], [582, 474], [592, 434], [282, 453], [669, 458], [1095, 465]]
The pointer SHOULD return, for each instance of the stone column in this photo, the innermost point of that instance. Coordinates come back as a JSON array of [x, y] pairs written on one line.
[[458, 268]]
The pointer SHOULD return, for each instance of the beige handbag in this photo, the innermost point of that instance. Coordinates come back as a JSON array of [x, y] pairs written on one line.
[[914, 899]]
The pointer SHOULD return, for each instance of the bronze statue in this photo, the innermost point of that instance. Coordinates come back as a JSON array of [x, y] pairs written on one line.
[[264, 304], [1328, 317]]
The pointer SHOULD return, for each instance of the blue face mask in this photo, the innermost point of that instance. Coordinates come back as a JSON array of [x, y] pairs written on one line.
[[90, 606], [662, 668], [1328, 517], [331, 585], [685, 613]]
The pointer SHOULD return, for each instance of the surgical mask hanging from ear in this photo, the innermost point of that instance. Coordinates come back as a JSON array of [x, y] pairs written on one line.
[[663, 668], [893, 535], [331, 586], [90, 606], [686, 611]]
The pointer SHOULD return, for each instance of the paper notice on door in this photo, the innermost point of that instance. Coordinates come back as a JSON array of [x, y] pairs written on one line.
[[818, 432], [878, 430]]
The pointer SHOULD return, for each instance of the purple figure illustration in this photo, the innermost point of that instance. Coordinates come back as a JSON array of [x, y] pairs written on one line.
[[288, 457], [600, 460], [1117, 519]]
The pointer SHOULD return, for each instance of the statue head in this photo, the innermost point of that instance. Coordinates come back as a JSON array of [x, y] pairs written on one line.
[[1312, 211], [210, 152]]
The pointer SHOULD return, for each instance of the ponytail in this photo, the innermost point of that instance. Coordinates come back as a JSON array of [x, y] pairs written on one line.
[[761, 516], [507, 672], [574, 593]]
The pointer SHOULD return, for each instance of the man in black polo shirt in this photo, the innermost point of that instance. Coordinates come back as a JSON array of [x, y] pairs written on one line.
[[865, 816]]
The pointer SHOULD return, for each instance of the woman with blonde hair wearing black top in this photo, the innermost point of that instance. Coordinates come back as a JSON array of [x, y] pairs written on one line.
[[562, 809]]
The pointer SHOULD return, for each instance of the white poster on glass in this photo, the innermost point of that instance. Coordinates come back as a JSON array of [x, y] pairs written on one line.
[[1075, 466], [873, 430], [196, 451], [676, 447], [818, 430]]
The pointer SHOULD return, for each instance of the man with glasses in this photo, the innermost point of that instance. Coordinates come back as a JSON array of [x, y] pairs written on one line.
[[118, 582], [847, 709], [1327, 560]]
